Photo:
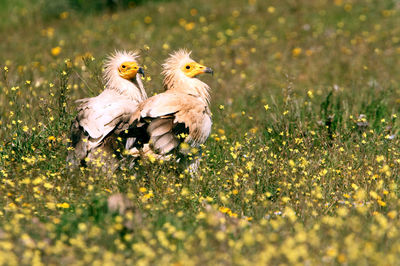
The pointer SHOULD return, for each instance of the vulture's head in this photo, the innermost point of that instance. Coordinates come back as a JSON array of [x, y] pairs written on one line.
[[123, 74], [180, 73], [180, 63]]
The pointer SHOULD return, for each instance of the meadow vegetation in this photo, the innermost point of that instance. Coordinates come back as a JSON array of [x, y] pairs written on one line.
[[302, 166]]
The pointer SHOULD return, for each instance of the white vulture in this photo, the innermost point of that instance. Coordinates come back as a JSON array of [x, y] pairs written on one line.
[[179, 119], [93, 137]]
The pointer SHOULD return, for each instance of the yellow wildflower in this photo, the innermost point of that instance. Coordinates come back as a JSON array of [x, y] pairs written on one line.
[[56, 50]]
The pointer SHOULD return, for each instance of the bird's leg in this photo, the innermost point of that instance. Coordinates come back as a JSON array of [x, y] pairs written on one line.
[[189, 163], [104, 156], [193, 168], [129, 143]]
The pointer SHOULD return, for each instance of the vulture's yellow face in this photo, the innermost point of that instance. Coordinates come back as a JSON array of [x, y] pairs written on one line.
[[128, 70], [193, 69]]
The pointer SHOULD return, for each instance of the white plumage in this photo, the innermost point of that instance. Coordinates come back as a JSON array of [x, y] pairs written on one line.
[[179, 115], [92, 131]]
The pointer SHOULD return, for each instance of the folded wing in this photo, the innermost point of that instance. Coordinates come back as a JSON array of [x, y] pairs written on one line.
[[97, 118], [172, 118], [99, 115]]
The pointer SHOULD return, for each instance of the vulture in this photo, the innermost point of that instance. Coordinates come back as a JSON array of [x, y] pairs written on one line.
[[179, 119], [93, 139]]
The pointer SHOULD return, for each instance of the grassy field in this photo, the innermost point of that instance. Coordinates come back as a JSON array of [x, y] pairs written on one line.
[[302, 166]]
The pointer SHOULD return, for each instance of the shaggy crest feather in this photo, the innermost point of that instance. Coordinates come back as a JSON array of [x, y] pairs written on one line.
[[176, 80], [134, 88]]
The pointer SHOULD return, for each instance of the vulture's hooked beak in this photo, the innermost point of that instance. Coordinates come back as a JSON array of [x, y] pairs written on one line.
[[209, 70], [193, 69], [141, 71]]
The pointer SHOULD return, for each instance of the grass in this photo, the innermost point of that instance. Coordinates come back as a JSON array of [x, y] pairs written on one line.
[[302, 166]]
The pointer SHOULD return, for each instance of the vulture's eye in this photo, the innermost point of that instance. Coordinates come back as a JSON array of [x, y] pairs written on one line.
[[187, 67], [123, 66]]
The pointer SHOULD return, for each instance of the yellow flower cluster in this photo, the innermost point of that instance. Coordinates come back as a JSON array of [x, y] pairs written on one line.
[[301, 166]]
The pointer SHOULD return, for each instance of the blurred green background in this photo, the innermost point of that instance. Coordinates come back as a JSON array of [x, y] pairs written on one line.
[[302, 166]]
